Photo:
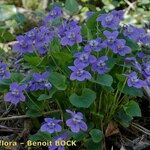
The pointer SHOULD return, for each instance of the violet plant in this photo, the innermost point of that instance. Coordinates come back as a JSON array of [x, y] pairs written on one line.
[[94, 71]]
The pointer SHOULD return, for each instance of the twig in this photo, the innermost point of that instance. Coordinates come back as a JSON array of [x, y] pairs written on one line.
[[25, 116], [7, 111], [140, 128]]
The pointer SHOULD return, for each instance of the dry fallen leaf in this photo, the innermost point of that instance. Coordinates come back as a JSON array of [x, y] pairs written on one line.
[[112, 129]]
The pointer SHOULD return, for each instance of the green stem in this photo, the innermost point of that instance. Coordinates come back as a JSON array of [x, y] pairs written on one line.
[[61, 112], [33, 102]]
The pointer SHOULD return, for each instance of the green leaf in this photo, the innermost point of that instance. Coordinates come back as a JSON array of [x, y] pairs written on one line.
[[58, 80], [17, 77], [6, 82], [91, 22], [43, 97], [85, 100], [132, 109], [78, 136], [6, 36], [121, 77], [62, 57], [133, 45], [33, 104], [40, 136], [123, 118], [32, 59], [111, 62], [90, 145], [72, 6], [130, 90], [105, 80], [33, 113], [46, 97], [97, 135]]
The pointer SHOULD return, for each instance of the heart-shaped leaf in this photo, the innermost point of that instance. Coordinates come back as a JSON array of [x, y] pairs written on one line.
[[105, 80], [96, 135], [85, 100], [132, 109], [58, 80]]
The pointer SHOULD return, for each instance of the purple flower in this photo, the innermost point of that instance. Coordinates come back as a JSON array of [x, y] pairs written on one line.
[[42, 50], [144, 39], [16, 94], [134, 63], [79, 73], [95, 45], [51, 125], [4, 73], [137, 34], [111, 38], [62, 137], [141, 55], [53, 14], [71, 37], [84, 59], [118, 14], [43, 37], [100, 65], [109, 20], [146, 70], [147, 81], [39, 82], [120, 48], [67, 26], [23, 45], [76, 123], [130, 32], [32, 34], [134, 81]]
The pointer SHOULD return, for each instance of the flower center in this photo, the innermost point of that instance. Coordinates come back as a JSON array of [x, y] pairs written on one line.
[[109, 18], [15, 92], [111, 39], [80, 72], [76, 119], [41, 80], [134, 79], [71, 36], [23, 44], [51, 125], [48, 85], [2, 70], [93, 43], [84, 57], [52, 13], [129, 30], [119, 47], [101, 64], [148, 69]]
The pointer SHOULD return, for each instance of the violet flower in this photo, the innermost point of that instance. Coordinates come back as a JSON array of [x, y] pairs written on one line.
[[62, 137], [4, 73], [79, 73], [76, 123], [16, 94], [84, 59], [39, 82], [95, 45], [100, 65], [134, 81], [51, 125], [120, 48]]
